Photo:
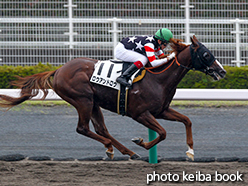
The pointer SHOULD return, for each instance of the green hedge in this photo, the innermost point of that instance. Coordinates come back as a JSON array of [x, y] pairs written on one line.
[[236, 77], [9, 73]]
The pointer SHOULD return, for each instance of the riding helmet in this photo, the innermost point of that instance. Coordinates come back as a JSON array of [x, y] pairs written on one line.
[[164, 34]]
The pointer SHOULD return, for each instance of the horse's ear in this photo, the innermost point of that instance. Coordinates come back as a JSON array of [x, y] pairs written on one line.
[[195, 38], [194, 41]]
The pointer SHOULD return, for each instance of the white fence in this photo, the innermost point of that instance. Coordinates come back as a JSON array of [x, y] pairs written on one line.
[[57, 31], [181, 94]]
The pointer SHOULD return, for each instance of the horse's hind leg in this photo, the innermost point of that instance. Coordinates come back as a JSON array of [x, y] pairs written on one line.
[[173, 115], [101, 129], [84, 108]]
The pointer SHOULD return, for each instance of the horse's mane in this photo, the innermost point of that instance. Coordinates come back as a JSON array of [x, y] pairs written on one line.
[[177, 45]]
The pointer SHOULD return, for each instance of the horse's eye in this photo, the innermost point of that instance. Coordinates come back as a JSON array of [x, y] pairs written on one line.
[[206, 55], [210, 70]]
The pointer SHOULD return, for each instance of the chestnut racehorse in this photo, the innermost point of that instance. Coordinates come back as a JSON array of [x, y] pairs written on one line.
[[148, 99]]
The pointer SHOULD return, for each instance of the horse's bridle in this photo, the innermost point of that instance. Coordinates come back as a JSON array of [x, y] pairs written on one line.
[[202, 59]]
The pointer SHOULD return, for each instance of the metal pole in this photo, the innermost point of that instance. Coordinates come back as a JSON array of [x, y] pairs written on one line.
[[153, 156], [187, 33], [115, 32], [238, 61], [0, 53], [70, 33]]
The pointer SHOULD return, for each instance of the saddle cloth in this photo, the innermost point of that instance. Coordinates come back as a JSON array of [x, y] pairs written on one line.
[[106, 72]]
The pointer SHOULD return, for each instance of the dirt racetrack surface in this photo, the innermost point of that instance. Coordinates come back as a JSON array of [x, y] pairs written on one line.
[[137, 173], [35, 142]]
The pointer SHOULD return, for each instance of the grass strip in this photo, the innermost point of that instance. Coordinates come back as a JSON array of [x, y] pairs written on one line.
[[175, 103], [215, 104]]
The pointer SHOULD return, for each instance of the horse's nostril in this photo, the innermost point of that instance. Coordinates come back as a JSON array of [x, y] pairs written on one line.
[[223, 73]]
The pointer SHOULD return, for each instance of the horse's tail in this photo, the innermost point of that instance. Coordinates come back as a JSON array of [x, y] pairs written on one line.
[[29, 86]]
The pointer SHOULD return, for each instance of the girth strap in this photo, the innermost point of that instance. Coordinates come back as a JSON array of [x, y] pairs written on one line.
[[122, 101]]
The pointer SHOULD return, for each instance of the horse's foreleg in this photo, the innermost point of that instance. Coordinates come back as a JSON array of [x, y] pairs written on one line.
[[101, 129], [150, 122], [173, 115]]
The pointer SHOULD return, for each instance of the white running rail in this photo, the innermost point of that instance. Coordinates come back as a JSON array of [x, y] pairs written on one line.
[[181, 94]]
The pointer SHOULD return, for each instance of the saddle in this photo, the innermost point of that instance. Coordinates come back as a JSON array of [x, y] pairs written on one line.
[[105, 74], [138, 76]]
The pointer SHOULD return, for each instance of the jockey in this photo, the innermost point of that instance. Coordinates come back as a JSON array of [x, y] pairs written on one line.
[[141, 49]]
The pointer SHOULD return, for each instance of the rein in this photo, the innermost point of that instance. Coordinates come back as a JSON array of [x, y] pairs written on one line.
[[180, 65], [175, 60], [202, 59]]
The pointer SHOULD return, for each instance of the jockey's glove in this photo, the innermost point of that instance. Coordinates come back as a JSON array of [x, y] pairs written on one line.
[[159, 62], [171, 56]]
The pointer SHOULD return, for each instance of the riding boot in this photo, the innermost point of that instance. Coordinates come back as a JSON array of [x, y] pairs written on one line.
[[124, 78]]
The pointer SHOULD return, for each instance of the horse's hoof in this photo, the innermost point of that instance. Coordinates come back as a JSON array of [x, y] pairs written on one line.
[[110, 154], [135, 157], [137, 140], [190, 154]]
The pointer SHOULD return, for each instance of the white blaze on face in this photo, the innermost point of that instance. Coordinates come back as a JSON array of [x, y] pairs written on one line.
[[219, 64]]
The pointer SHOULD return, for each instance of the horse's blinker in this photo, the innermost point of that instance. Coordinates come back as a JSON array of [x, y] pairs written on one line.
[[202, 58]]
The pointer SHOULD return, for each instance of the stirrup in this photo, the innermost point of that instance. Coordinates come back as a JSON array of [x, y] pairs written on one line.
[[122, 81]]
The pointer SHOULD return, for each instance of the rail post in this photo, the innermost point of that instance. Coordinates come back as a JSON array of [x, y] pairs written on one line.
[[187, 33], [153, 156], [115, 32], [70, 33], [237, 22]]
